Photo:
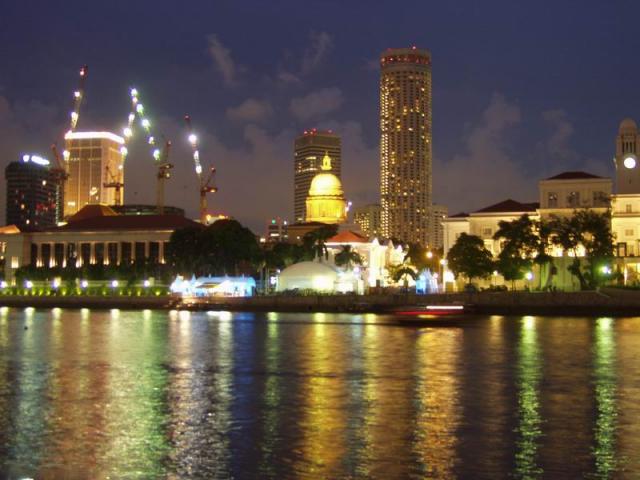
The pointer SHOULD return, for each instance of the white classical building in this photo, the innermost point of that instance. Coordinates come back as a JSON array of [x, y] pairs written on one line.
[[566, 192], [325, 276]]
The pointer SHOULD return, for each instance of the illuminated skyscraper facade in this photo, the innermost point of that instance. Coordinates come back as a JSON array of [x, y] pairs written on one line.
[[94, 159], [405, 144], [34, 194], [309, 150]]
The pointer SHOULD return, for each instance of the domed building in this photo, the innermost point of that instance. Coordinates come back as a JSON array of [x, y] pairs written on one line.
[[326, 202], [308, 276]]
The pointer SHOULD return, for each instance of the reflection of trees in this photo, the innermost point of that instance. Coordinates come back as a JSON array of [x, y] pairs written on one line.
[[528, 430], [437, 396]]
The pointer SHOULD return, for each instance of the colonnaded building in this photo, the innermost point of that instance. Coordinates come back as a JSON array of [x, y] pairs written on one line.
[[562, 195], [95, 235]]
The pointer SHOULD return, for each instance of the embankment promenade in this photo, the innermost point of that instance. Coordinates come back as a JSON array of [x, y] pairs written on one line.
[[606, 302]]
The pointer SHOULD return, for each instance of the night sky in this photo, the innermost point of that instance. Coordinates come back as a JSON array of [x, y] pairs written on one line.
[[521, 91]]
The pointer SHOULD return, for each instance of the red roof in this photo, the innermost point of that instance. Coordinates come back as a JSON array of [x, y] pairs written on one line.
[[130, 222], [348, 236], [509, 206], [573, 176]]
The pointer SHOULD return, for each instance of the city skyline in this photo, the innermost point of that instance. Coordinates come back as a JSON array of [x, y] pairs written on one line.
[[488, 120]]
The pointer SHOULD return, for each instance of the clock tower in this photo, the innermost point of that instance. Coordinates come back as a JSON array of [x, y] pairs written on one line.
[[626, 160]]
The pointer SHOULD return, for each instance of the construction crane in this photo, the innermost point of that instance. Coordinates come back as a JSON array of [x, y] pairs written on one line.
[[160, 156], [206, 183], [61, 163], [164, 173], [115, 181]]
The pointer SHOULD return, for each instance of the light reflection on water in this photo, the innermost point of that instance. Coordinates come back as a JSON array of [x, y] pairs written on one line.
[[149, 394]]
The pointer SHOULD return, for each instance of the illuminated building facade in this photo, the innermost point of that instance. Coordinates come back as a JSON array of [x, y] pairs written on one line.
[[277, 230], [93, 160], [405, 144], [626, 159], [367, 219], [96, 235], [436, 232], [309, 149], [325, 201], [34, 193]]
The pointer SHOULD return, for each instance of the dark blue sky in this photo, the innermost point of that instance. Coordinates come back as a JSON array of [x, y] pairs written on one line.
[[520, 90]]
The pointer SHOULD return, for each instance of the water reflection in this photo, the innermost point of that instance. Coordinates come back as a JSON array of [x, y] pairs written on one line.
[[529, 371], [219, 395], [605, 398]]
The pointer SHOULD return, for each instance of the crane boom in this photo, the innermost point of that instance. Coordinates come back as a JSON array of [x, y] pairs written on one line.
[[207, 184]]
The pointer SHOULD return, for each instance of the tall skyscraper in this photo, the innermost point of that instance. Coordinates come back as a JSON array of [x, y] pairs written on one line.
[[367, 218], [34, 193], [405, 144], [309, 150], [436, 233], [95, 159]]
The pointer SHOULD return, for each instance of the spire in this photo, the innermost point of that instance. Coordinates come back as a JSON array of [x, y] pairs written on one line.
[[326, 162]]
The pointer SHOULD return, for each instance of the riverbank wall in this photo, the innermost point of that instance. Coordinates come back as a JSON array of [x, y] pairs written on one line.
[[606, 302]]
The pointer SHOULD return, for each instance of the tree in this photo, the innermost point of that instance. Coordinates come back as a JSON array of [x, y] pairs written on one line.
[[348, 257], [519, 244], [223, 248], [469, 257], [592, 231], [314, 242], [417, 256], [403, 272]]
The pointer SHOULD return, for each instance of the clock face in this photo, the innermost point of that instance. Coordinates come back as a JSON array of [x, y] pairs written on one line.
[[629, 162]]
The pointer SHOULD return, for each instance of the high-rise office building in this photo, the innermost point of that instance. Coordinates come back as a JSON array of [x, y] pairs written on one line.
[[436, 233], [309, 150], [367, 218], [405, 144], [34, 193], [94, 159]]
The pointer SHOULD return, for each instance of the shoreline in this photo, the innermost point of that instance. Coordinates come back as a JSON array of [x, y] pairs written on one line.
[[606, 302]]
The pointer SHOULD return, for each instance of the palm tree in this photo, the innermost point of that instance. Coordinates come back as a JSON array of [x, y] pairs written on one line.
[[403, 272], [347, 257]]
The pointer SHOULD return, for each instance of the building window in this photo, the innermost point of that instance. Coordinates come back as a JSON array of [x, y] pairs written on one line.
[[112, 253], [621, 249], [600, 199], [486, 232], [85, 253], [58, 254], [99, 253], [628, 232], [125, 257], [573, 199], [627, 208], [552, 200], [140, 251]]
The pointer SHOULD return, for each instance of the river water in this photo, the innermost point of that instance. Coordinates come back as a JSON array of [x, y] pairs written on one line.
[[155, 394]]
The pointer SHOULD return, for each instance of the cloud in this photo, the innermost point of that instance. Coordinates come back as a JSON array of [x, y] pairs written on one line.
[[557, 145], [222, 59], [321, 44], [316, 104], [288, 77], [485, 173], [251, 110]]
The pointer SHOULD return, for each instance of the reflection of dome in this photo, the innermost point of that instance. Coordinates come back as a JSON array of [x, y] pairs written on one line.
[[325, 202], [308, 276], [628, 125]]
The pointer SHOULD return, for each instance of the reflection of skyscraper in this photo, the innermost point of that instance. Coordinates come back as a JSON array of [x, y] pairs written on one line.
[[405, 143], [95, 158], [309, 149]]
